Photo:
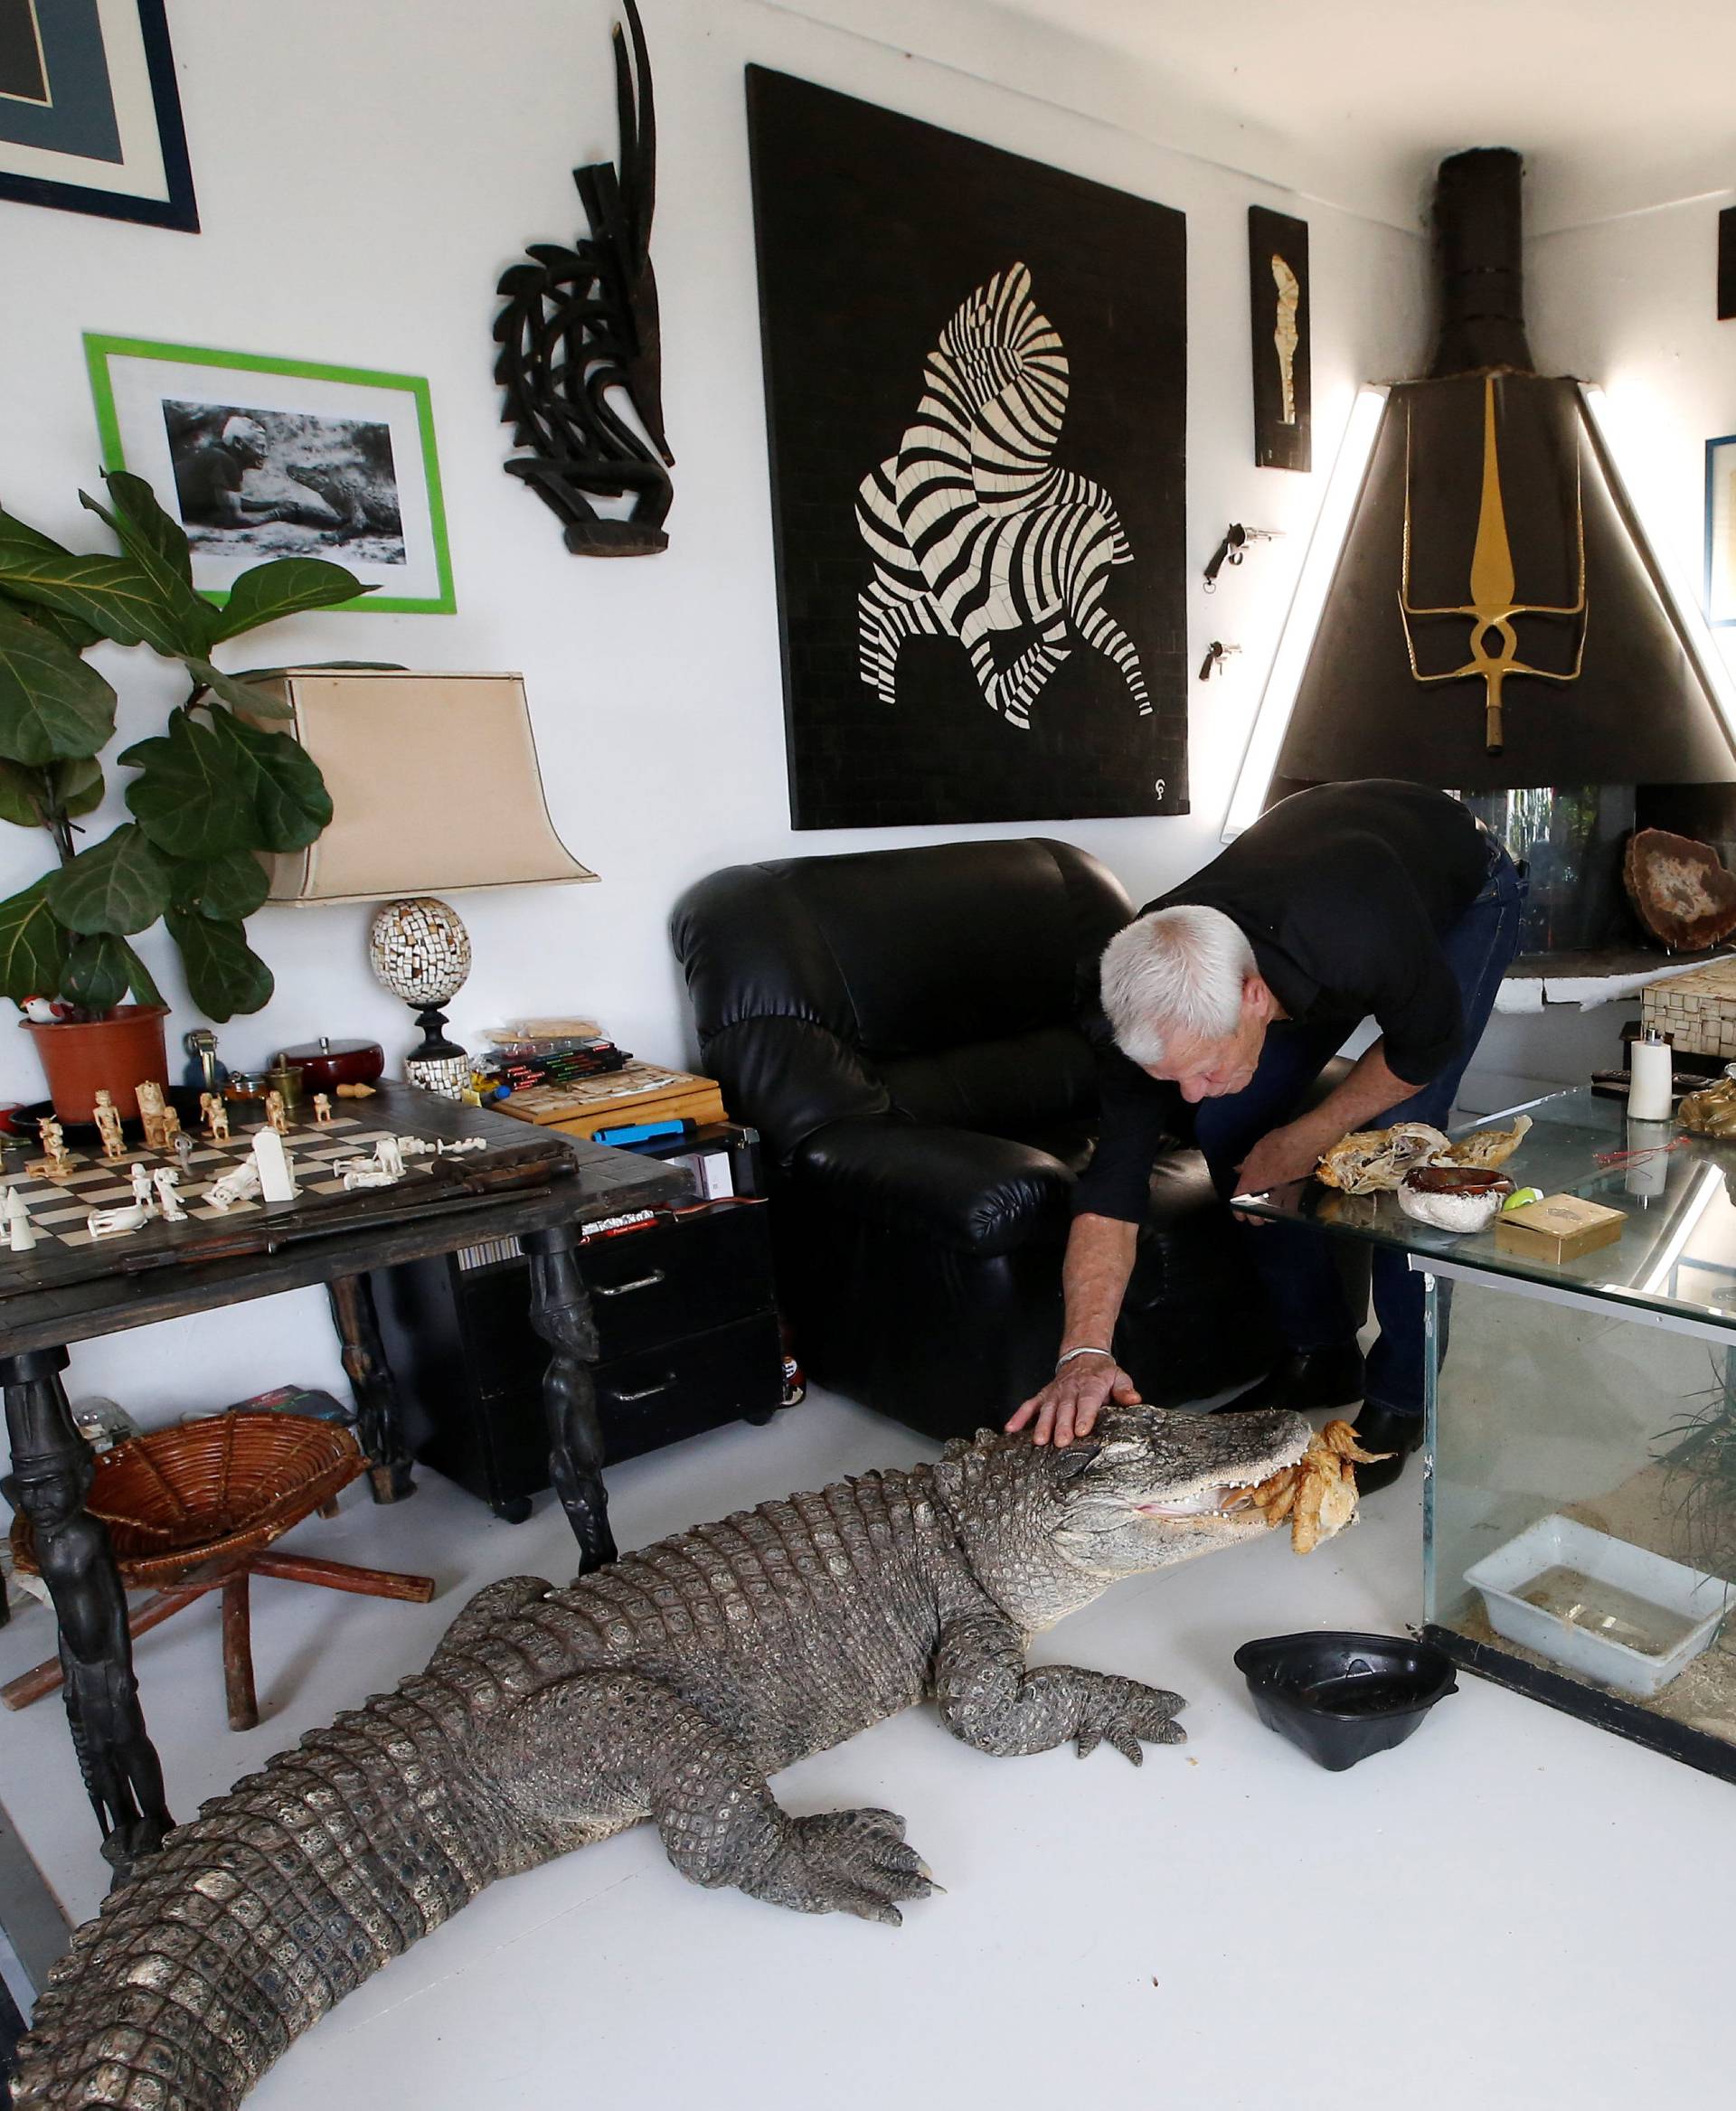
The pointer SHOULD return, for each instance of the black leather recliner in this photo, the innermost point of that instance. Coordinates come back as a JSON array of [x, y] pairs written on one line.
[[903, 1028]]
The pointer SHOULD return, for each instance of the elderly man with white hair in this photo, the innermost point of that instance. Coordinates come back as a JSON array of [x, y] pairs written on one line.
[[1229, 996]]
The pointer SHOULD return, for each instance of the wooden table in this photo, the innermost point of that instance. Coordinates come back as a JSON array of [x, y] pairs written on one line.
[[40, 1318]]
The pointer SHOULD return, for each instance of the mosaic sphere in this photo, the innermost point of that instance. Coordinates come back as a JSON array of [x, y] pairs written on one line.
[[420, 950]]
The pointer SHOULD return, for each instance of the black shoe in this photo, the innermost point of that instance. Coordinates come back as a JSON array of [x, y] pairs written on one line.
[[1306, 1380], [1380, 1429]]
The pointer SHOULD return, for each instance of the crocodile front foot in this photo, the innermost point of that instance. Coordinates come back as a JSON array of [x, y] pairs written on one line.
[[1124, 1713], [846, 1861]]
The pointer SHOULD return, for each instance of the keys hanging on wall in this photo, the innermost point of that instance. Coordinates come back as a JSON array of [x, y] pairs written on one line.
[[1216, 654], [1234, 548]]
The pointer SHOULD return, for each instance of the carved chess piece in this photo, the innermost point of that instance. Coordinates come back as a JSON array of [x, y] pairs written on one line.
[[107, 1115], [142, 1184], [323, 1110], [168, 1129], [211, 1105], [151, 1113], [388, 1157], [277, 1116], [20, 1233], [277, 1173], [166, 1180], [117, 1224], [239, 1186], [57, 1161]]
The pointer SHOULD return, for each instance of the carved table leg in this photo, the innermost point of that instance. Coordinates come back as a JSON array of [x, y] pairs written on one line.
[[51, 1466], [561, 1314], [376, 1396]]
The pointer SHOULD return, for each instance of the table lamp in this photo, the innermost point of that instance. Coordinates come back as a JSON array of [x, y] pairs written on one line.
[[435, 788]]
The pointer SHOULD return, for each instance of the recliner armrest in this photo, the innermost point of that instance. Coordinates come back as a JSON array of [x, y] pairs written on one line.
[[979, 1194]]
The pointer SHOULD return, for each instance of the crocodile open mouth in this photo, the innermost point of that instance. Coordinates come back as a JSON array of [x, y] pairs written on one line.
[[1220, 1498]]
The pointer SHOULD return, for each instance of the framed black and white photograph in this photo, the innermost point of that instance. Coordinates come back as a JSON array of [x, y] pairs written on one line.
[[89, 116], [1720, 530], [260, 458], [976, 375], [1278, 280]]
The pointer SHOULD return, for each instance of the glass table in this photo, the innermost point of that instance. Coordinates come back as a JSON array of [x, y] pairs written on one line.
[[1580, 1492]]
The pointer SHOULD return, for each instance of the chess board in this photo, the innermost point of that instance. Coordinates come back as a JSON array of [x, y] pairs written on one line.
[[59, 1208]]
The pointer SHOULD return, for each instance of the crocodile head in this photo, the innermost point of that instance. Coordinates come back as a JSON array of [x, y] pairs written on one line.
[[1047, 1529]]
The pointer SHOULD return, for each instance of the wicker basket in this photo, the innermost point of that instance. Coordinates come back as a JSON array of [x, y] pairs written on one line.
[[1696, 1010], [226, 1485]]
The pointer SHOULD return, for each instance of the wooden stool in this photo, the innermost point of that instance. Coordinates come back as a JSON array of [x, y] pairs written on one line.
[[195, 1509]]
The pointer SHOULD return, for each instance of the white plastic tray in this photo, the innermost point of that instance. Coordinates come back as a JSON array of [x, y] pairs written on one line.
[[1560, 1541]]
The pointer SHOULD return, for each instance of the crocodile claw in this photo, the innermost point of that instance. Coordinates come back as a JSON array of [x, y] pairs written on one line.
[[858, 1861]]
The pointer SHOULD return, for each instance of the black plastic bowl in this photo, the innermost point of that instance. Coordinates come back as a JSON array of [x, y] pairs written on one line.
[[1341, 1697]]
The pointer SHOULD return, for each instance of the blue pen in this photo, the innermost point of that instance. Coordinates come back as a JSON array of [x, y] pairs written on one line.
[[641, 1132]]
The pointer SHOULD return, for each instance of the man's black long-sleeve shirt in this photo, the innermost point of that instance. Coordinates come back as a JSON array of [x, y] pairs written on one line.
[[1345, 893]]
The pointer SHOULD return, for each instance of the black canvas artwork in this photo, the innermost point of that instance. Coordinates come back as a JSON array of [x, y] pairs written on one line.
[[1727, 264], [1278, 278], [976, 372]]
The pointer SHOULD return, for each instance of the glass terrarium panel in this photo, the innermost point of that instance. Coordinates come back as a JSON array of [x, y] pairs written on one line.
[[1580, 1517], [1677, 1248]]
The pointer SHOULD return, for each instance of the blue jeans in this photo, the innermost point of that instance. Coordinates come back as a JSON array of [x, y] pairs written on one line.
[[1292, 1260]]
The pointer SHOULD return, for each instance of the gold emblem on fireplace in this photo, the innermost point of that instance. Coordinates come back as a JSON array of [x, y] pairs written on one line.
[[1491, 607]]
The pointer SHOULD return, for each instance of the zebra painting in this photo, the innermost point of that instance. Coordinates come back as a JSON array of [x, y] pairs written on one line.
[[977, 532], [976, 435]]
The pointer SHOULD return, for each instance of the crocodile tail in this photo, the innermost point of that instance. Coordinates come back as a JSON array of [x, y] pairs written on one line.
[[279, 1899]]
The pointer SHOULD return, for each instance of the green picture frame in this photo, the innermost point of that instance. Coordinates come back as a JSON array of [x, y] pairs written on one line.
[[259, 457]]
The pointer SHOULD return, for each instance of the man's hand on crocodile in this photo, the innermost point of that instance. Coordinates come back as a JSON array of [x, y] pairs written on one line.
[[1070, 1404]]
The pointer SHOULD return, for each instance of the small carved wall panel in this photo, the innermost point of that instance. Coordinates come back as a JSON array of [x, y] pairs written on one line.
[[1278, 273]]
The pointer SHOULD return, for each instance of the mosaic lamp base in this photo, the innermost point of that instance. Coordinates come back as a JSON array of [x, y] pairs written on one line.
[[420, 950]]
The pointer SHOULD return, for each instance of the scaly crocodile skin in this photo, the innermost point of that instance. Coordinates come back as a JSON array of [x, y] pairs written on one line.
[[665, 1687]]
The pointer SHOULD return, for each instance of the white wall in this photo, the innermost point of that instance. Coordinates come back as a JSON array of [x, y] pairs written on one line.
[[363, 175]]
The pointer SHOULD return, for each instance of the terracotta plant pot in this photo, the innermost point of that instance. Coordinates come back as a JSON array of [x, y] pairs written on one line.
[[121, 1050]]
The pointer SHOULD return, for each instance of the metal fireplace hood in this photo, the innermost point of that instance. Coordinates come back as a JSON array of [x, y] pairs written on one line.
[[1496, 619]]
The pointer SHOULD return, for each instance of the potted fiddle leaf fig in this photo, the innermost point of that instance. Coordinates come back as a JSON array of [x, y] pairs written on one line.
[[207, 795]]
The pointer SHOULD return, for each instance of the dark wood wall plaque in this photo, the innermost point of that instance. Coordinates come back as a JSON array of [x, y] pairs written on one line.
[[976, 375], [1277, 276]]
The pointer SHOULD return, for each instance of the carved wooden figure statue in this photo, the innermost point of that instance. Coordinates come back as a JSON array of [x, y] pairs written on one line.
[[211, 1105], [276, 1118], [582, 322], [121, 1774]]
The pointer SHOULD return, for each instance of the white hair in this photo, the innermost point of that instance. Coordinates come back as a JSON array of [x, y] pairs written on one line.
[[1176, 971]]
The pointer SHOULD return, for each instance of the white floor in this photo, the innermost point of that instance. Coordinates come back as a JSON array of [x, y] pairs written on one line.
[[1513, 1909]]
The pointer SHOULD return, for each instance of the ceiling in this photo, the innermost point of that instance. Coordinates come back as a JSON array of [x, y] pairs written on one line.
[[1618, 106]]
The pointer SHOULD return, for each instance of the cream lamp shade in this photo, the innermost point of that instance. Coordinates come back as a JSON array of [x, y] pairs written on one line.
[[434, 784]]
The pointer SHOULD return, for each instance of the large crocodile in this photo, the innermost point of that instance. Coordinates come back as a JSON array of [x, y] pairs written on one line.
[[667, 1686]]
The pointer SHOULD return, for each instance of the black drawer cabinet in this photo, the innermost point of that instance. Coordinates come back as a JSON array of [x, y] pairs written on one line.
[[687, 1334]]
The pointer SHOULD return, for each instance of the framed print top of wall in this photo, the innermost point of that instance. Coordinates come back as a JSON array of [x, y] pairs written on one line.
[[263, 458], [1277, 276], [90, 118], [1720, 530], [976, 375]]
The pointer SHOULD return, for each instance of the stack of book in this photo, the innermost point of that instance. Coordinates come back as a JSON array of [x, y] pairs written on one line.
[[528, 1053], [634, 1094]]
